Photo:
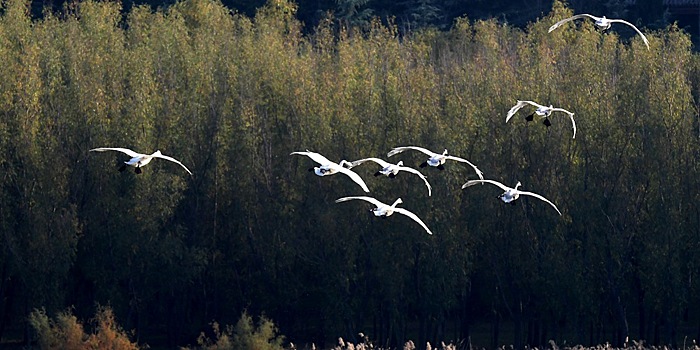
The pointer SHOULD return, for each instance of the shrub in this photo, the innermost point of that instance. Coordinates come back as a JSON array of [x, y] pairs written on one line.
[[244, 336], [66, 332]]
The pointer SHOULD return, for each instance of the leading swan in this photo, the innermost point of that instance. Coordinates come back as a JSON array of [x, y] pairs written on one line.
[[390, 170], [383, 209], [436, 159], [510, 194], [602, 23], [139, 160], [329, 168]]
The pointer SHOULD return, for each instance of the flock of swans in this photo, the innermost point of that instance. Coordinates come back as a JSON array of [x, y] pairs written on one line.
[[438, 160], [327, 167]]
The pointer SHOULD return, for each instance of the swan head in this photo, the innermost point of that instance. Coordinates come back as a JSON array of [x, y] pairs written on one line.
[[444, 153], [517, 185], [320, 171], [345, 163], [157, 153], [400, 163], [602, 23], [397, 202]]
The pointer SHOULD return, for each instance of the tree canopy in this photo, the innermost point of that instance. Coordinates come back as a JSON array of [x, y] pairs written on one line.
[[232, 95]]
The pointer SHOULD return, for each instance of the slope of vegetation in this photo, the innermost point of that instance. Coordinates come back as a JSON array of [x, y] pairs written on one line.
[[231, 96]]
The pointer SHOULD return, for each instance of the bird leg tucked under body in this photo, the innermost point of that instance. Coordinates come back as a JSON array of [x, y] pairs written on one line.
[[546, 121]]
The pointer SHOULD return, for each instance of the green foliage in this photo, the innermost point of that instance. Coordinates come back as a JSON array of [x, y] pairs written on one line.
[[244, 336], [232, 96]]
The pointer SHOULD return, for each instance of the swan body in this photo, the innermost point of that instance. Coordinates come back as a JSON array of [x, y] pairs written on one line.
[[139, 160], [436, 159], [602, 23], [383, 209], [329, 168], [390, 170], [542, 111], [511, 193]]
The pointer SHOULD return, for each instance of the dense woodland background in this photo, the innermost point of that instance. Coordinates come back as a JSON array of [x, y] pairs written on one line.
[[231, 96]]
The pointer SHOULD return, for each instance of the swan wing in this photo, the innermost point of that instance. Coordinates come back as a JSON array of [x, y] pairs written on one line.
[[414, 217], [381, 162], [571, 116], [353, 175], [573, 124], [558, 24], [476, 182], [316, 157], [123, 150], [557, 109], [541, 198], [462, 160], [397, 150], [518, 106], [172, 160], [646, 42], [414, 171], [364, 198]]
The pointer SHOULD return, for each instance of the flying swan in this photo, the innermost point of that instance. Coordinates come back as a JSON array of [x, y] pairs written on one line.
[[602, 23], [387, 210], [139, 160], [329, 168], [510, 194], [436, 159], [390, 170], [542, 111]]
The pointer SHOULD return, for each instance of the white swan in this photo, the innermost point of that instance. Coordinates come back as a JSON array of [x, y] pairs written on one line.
[[383, 209], [329, 168], [510, 194], [139, 160], [602, 23], [542, 111], [390, 170], [436, 159]]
